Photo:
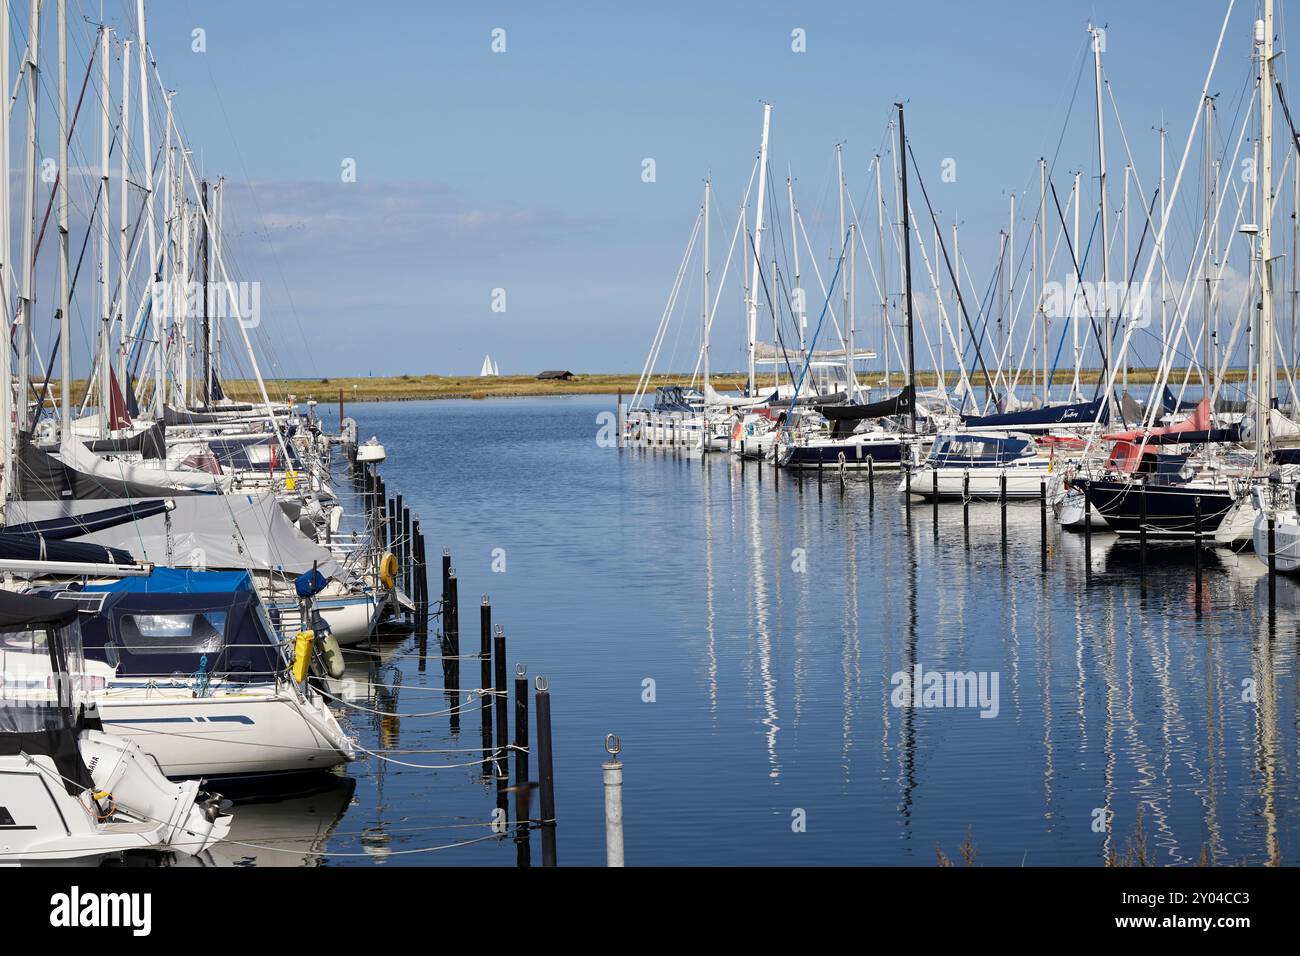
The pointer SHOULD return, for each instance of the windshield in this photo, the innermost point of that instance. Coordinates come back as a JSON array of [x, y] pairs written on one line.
[[41, 678]]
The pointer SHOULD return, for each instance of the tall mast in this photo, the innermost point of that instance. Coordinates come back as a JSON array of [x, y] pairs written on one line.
[[884, 293], [704, 312], [844, 286], [1264, 347], [1042, 269], [206, 390], [29, 229], [105, 240], [123, 222], [1209, 363], [1074, 299], [1104, 220], [147, 207], [801, 315], [65, 300], [219, 225], [758, 245], [907, 268], [6, 363]]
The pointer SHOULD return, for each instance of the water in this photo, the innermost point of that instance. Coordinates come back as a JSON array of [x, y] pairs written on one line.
[[767, 622]]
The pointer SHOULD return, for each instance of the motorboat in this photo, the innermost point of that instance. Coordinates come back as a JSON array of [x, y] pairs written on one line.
[[73, 793]]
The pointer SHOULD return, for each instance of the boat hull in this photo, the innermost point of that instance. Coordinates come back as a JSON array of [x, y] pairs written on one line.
[[982, 484], [1170, 511], [229, 735]]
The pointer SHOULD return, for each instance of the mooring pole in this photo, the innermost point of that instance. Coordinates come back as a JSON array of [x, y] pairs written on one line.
[[485, 678], [446, 572], [1002, 498], [1142, 535], [1042, 518], [545, 772], [1197, 530], [521, 727], [1087, 540], [501, 770], [523, 851], [612, 771], [965, 498], [1272, 562]]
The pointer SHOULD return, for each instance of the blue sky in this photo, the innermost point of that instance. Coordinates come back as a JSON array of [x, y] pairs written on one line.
[[522, 170]]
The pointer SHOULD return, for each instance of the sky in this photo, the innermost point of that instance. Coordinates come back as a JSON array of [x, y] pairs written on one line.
[[522, 170]]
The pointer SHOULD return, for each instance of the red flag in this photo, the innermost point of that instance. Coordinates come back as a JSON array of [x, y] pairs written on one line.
[[118, 416]]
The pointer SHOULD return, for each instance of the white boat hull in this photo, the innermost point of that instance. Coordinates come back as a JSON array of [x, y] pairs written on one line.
[[228, 734], [50, 827], [1022, 481]]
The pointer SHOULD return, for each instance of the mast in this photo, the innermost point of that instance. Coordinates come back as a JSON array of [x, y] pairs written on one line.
[[219, 227], [1074, 298], [1104, 219], [1264, 348], [123, 219], [65, 293], [206, 390], [907, 268], [1209, 365], [29, 228], [801, 315], [844, 287], [105, 292], [6, 363], [758, 245], [880, 252], [147, 207], [704, 313], [1042, 270]]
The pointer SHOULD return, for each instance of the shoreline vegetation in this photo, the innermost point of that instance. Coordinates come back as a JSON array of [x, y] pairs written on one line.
[[407, 388]]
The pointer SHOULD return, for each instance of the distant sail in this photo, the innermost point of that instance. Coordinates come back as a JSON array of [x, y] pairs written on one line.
[[488, 368], [496, 369]]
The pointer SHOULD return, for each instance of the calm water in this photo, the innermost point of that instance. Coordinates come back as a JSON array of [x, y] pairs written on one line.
[[770, 621]]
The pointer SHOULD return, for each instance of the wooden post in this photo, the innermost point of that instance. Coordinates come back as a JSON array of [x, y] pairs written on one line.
[[1142, 534], [521, 763], [545, 772], [1272, 562], [446, 571], [501, 770], [1197, 531], [1042, 518], [1087, 539], [485, 679]]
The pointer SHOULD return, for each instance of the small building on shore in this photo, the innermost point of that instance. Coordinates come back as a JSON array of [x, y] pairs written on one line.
[[555, 375]]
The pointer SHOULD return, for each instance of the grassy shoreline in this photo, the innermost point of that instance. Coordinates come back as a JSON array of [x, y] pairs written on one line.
[[428, 387], [410, 388]]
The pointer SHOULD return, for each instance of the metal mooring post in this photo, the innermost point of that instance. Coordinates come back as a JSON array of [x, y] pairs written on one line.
[[612, 770]]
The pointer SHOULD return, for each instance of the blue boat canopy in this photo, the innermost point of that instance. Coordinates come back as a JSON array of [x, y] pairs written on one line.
[[963, 450], [179, 581]]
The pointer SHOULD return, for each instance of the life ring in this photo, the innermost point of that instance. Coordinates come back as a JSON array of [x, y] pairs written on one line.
[[388, 569]]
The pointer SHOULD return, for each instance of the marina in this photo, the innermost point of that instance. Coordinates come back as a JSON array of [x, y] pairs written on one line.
[[584, 477]]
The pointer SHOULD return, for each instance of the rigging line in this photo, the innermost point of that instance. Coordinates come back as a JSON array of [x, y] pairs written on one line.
[[943, 246], [1078, 273], [776, 326], [789, 419]]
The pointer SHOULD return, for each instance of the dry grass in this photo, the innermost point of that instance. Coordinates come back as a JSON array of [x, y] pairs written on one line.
[[400, 388]]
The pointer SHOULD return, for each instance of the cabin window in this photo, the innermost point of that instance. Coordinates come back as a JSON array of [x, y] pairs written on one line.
[[201, 633]]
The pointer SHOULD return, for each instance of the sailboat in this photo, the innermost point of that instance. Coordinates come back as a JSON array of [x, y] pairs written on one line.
[[856, 437]]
